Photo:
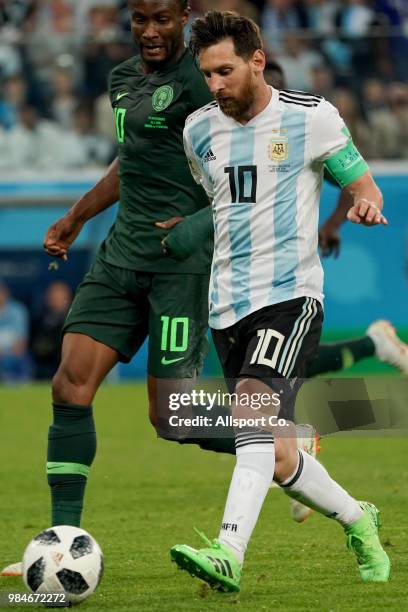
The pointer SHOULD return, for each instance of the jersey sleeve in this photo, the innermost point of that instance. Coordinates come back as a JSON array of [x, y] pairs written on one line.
[[329, 132], [331, 143], [111, 84], [115, 82], [197, 171]]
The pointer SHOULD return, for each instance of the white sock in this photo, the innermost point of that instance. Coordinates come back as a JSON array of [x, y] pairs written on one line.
[[250, 483], [311, 485]]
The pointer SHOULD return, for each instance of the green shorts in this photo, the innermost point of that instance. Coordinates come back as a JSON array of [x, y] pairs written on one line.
[[120, 308]]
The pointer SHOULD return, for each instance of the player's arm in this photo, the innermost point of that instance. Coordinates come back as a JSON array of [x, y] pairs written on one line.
[[329, 231], [368, 202], [189, 232], [332, 144], [62, 234]]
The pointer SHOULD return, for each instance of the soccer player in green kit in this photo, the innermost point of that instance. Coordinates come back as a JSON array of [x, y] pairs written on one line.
[[132, 290]]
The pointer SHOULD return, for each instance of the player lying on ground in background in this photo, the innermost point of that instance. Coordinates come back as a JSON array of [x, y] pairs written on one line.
[[266, 287]]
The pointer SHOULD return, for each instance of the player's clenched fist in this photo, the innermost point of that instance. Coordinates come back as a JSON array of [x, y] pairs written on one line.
[[366, 213], [61, 235]]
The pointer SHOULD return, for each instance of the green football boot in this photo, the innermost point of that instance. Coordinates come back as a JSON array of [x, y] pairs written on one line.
[[363, 540], [215, 564]]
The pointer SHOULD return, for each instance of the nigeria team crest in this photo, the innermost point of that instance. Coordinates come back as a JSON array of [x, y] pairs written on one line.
[[162, 98]]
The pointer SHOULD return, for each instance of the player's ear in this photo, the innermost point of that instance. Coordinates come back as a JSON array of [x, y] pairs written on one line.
[[258, 61]]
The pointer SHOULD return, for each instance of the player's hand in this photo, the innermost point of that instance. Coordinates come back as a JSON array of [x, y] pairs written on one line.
[[60, 236], [168, 225], [329, 240], [366, 213]]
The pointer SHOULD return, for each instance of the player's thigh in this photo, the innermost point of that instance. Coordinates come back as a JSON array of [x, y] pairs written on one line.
[[111, 307], [84, 365], [178, 325], [178, 344], [280, 341], [231, 354]]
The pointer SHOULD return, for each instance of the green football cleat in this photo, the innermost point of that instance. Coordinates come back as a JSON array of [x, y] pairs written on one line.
[[215, 564], [362, 538]]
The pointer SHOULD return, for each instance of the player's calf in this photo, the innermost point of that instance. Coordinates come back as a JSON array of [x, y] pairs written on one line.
[[312, 486], [211, 437], [308, 441]]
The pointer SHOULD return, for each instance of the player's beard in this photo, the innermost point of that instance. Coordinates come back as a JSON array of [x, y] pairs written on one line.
[[238, 107]]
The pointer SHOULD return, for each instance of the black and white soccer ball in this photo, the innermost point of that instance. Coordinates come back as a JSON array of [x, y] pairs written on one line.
[[63, 559]]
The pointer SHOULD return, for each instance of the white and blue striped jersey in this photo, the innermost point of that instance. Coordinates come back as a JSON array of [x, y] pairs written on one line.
[[264, 179]]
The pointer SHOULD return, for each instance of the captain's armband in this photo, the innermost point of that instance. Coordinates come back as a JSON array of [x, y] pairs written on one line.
[[346, 165]]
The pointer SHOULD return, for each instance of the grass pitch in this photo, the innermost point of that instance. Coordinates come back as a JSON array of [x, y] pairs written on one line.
[[145, 495]]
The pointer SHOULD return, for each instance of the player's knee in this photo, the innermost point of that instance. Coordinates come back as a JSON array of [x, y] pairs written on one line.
[[70, 386]]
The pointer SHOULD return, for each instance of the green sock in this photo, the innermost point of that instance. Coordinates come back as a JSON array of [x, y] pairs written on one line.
[[340, 355], [71, 451]]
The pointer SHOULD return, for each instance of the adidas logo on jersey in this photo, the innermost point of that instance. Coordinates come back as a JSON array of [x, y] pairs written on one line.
[[209, 156]]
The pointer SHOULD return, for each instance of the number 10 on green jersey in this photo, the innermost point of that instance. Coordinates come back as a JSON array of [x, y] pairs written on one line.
[[120, 114]]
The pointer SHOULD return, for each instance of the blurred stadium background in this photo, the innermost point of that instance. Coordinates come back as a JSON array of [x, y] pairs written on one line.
[[56, 138], [57, 135]]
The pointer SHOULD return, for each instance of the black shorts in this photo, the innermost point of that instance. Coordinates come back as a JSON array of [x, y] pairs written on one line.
[[274, 345]]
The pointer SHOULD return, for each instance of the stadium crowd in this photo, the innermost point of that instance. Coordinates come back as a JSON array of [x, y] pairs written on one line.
[[30, 339], [55, 56]]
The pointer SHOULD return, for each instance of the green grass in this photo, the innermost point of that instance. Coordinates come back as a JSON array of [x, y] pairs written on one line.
[[145, 495]]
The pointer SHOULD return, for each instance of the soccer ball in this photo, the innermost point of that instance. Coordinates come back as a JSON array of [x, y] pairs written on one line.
[[63, 559]]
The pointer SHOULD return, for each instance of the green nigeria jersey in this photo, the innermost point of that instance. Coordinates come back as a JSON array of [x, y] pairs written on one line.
[[155, 180]]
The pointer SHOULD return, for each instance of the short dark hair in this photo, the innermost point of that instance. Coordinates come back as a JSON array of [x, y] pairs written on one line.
[[274, 66], [216, 26]]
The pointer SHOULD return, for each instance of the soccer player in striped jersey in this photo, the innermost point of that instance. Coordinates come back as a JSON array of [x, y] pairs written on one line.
[[381, 339], [259, 154]]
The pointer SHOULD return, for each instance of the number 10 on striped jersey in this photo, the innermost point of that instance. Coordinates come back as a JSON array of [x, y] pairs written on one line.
[[243, 182], [265, 336]]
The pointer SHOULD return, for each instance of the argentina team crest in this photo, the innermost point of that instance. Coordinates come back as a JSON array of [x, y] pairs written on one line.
[[278, 149], [162, 98]]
